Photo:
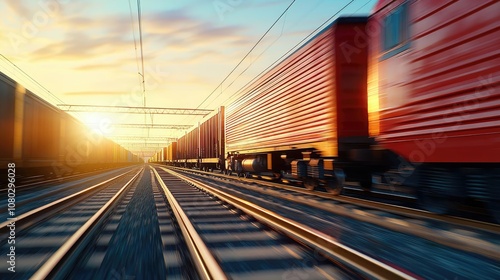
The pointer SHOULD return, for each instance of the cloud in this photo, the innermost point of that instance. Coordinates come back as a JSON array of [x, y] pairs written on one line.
[[172, 30], [95, 66], [87, 93], [19, 8]]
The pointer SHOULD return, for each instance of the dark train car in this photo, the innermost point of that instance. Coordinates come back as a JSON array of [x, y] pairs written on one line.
[[187, 148], [30, 127], [42, 140], [203, 146], [10, 120], [40, 131], [308, 112], [154, 158], [164, 152], [436, 67], [170, 153]]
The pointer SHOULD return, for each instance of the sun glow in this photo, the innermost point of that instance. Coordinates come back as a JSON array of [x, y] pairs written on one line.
[[98, 123], [373, 100]]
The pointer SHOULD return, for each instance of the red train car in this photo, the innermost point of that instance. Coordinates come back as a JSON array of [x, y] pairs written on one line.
[[309, 110], [202, 146], [435, 66]]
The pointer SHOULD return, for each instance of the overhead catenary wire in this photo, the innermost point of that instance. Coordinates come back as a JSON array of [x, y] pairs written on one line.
[[135, 40], [248, 53], [285, 54], [142, 51], [33, 80]]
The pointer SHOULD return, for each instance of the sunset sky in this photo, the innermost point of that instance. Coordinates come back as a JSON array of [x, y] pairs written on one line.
[[83, 52]]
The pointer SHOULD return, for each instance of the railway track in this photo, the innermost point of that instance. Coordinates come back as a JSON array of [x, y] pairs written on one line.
[[230, 237], [45, 236], [471, 239], [29, 200], [157, 224], [390, 208], [201, 238], [32, 182]]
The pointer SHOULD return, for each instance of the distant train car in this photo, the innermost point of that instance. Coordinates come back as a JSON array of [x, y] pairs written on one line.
[[171, 153], [436, 67], [203, 146], [30, 127], [41, 139], [307, 113]]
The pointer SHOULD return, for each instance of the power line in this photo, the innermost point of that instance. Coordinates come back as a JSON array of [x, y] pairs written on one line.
[[261, 38], [142, 54], [135, 40], [288, 52], [35, 81]]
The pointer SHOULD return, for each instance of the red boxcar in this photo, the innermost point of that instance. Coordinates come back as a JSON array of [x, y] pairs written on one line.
[[314, 101], [437, 65], [438, 80], [203, 146]]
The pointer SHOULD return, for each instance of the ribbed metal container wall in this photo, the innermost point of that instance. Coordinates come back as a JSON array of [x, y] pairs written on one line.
[[289, 106], [7, 117], [442, 104]]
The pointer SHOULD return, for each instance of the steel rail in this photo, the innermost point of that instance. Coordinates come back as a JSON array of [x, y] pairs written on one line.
[[28, 186], [310, 236], [470, 244], [49, 268], [27, 218], [206, 265], [395, 209]]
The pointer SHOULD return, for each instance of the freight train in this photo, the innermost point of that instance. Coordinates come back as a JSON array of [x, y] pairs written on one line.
[[407, 96], [40, 139]]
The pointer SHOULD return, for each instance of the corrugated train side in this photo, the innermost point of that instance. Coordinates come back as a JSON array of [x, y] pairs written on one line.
[[41, 139], [437, 68], [408, 97]]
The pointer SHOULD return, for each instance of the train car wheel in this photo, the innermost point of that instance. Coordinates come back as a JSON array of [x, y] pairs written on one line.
[[494, 205], [439, 189], [310, 183], [438, 204], [366, 183], [494, 196], [334, 187]]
